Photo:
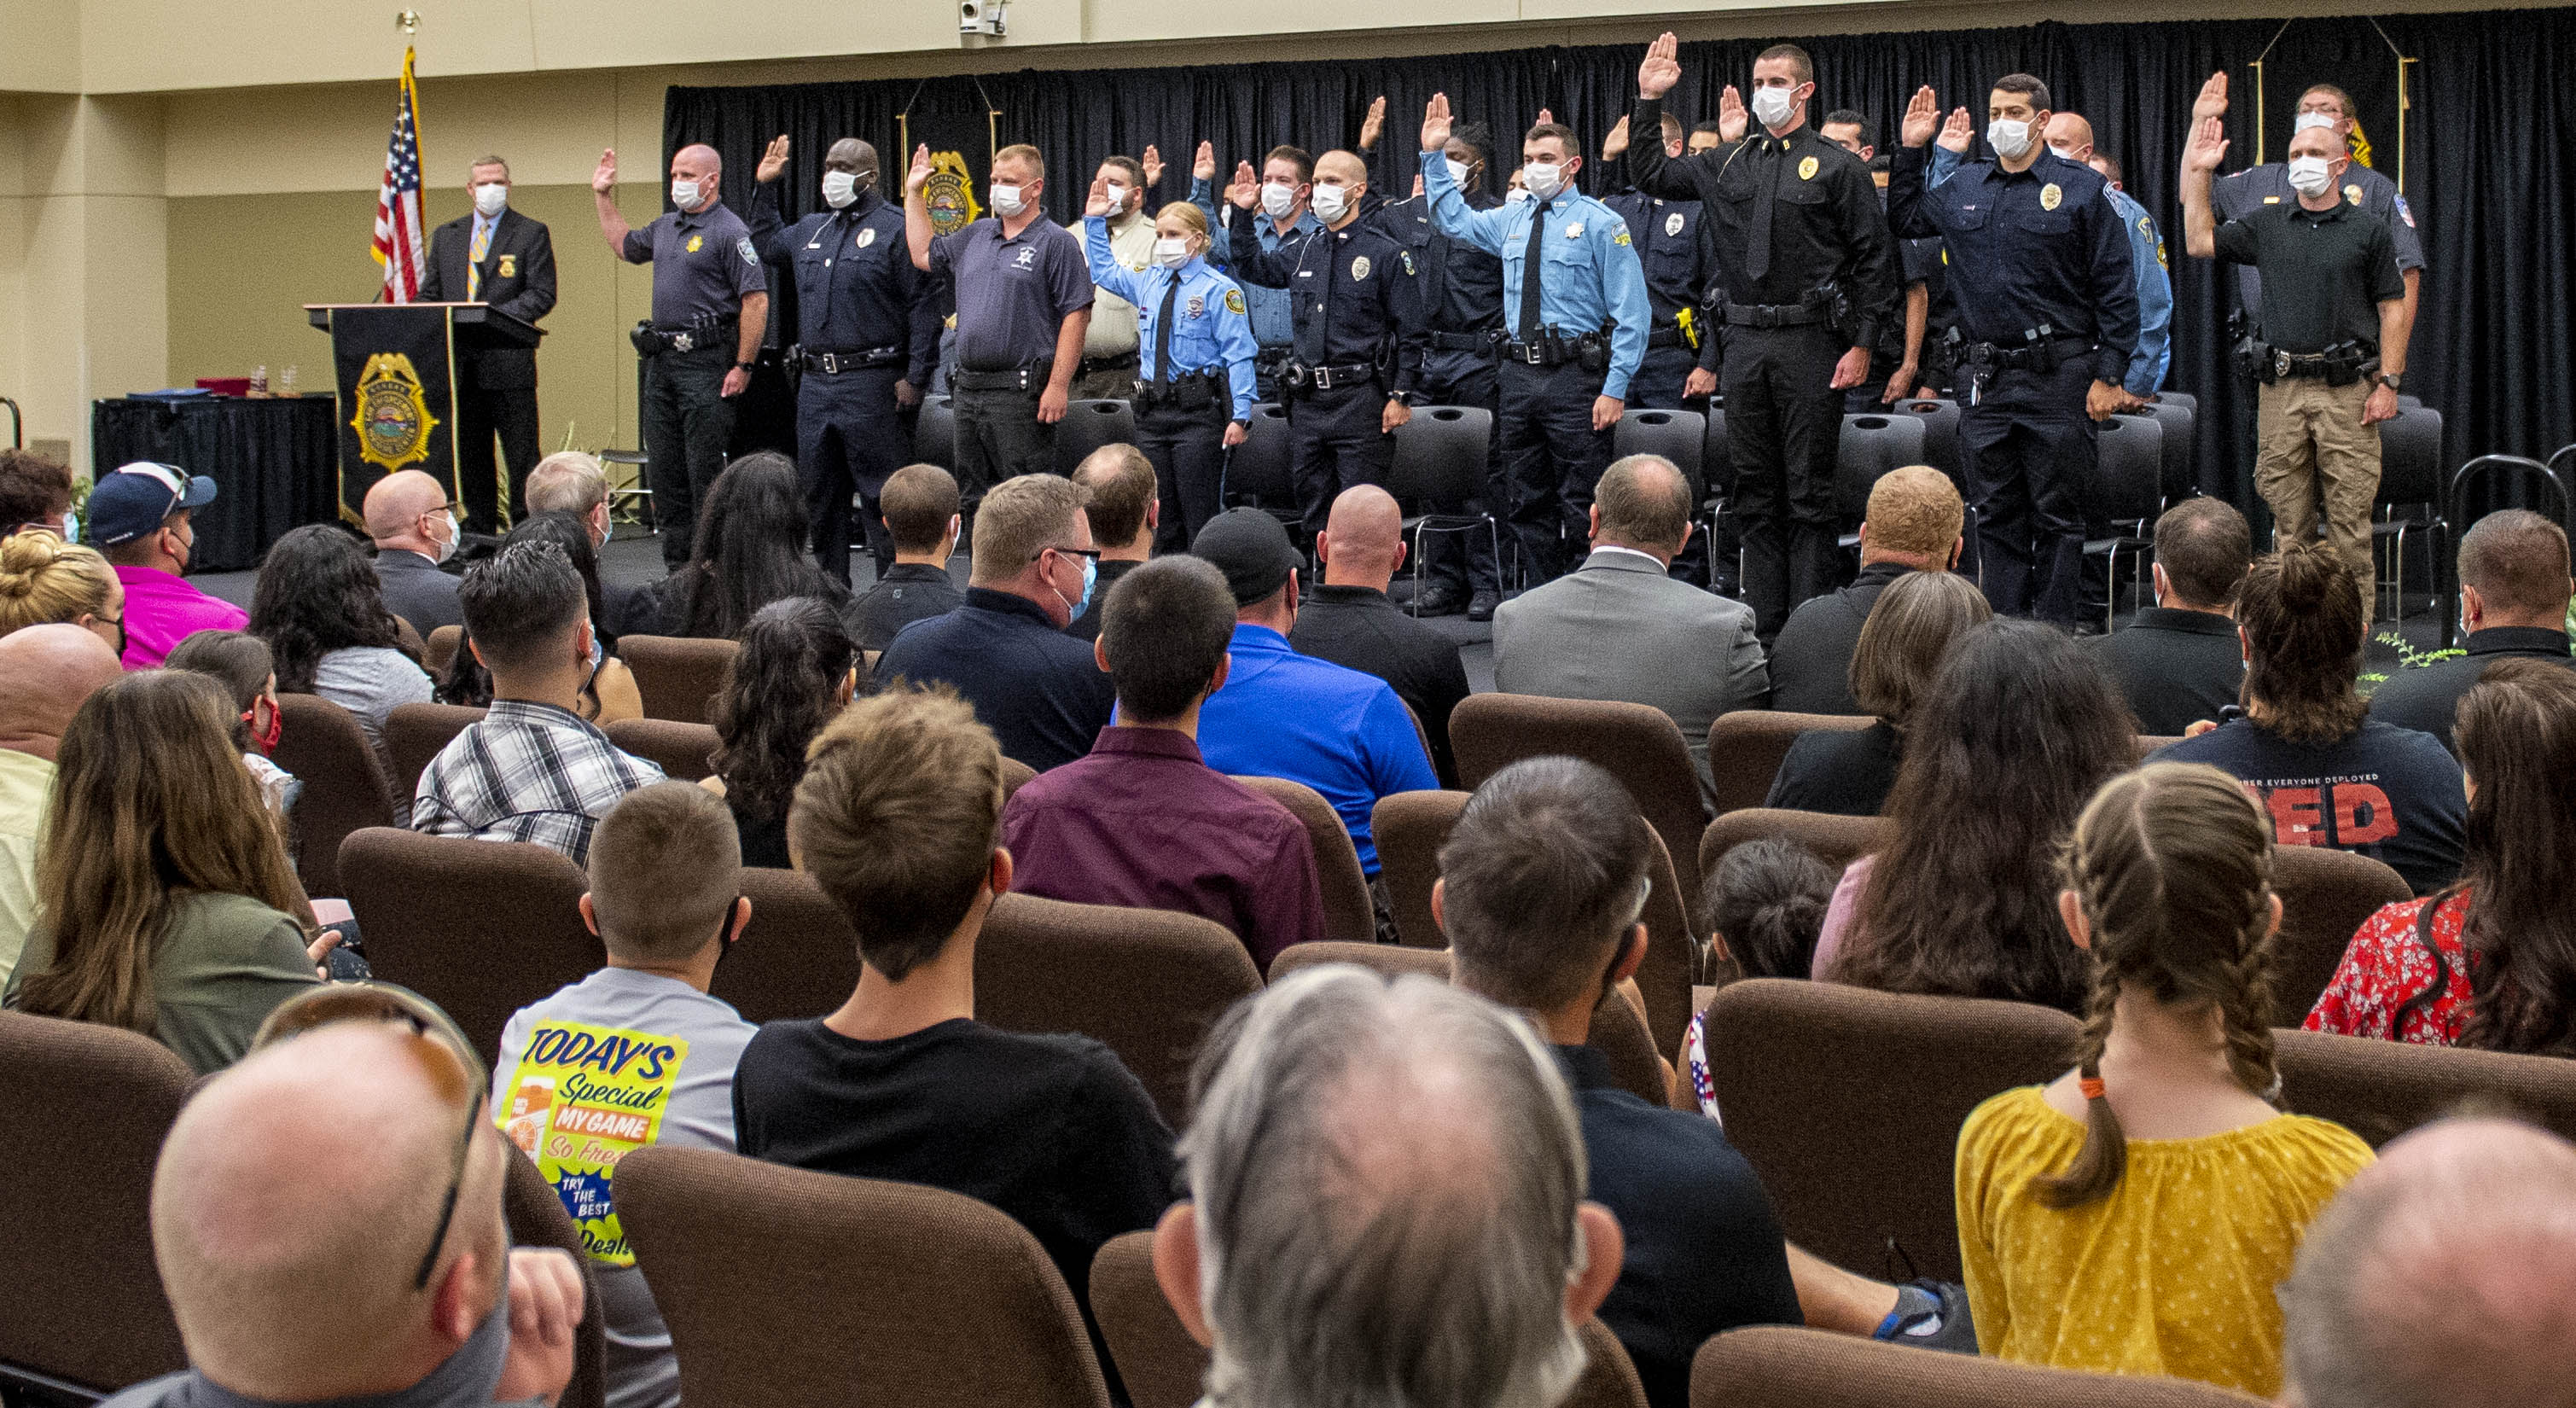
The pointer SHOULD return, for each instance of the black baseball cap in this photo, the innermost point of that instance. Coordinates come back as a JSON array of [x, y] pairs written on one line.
[[139, 497], [1251, 549]]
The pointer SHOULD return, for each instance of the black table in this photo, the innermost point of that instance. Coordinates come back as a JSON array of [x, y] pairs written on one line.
[[275, 463]]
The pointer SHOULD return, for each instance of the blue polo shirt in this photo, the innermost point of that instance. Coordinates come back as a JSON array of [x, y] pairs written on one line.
[[1343, 733], [1039, 690]]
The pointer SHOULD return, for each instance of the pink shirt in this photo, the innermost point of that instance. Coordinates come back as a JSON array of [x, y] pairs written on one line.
[[161, 610], [1840, 914]]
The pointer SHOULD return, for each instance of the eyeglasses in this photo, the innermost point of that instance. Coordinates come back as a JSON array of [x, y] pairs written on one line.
[[445, 1054], [1092, 553]]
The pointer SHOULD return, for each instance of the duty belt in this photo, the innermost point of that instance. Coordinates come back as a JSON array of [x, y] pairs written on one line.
[[1666, 337], [1190, 391], [1537, 354], [1102, 364], [1465, 341], [2339, 365], [1008, 379], [654, 339], [1776, 315], [836, 360], [2045, 356], [1300, 377]]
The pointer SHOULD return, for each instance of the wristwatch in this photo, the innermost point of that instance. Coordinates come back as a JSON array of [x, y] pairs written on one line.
[[2392, 380], [746, 368]]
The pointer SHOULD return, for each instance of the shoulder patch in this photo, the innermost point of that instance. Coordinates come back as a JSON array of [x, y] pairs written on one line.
[[743, 247], [2405, 214], [1619, 235], [1234, 300], [2161, 261]]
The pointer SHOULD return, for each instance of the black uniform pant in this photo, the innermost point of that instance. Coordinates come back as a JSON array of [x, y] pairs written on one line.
[[849, 439], [1552, 458], [999, 436], [2028, 449], [687, 424], [1187, 450], [1784, 428], [1657, 386], [481, 413], [1465, 560], [1336, 441]]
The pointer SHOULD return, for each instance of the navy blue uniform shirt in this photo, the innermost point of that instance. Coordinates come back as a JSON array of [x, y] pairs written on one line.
[[1351, 293], [856, 289], [1462, 286], [704, 264], [2030, 249]]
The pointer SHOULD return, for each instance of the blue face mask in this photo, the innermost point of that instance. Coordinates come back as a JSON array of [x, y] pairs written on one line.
[[1090, 578]]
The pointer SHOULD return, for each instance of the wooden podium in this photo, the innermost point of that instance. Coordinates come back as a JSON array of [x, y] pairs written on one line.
[[397, 384]]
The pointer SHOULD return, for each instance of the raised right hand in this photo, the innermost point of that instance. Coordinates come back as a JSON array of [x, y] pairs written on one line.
[[1662, 67], [1245, 193], [1098, 204], [2212, 101], [772, 161], [1956, 132], [1922, 117], [2208, 145], [1203, 166], [1435, 123], [604, 180], [919, 176], [1732, 120], [1615, 145]]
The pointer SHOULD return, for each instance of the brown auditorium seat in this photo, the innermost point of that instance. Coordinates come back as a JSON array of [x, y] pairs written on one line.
[[87, 1107], [794, 1289], [482, 928], [439, 651], [681, 750], [1409, 829], [1848, 1103], [1778, 1366], [2381, 1089], [1146, 983], [1015, 775], [2325, 895], [1609, 1378], [679, 677], [797, 958], [1836, 840], [1637, 744], [1672, 954], [536, 1218], [1161, 1365], [407, 640], [414, 734], [344, 784], [1746, 748], [1349, 915]]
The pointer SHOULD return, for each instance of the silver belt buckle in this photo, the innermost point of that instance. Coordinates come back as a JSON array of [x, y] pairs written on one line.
[[1323, 378], [2280, 363], [682, 342]]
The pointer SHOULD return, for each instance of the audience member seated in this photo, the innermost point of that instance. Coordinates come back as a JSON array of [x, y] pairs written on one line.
[[1125, 508], [2328, 773], [242, 664], [2018, 731], [569, 481], [164, 901], [1349, 620], [2178, 661], [1764, 906], [35, 493], [1281, 714], [1386, 1184], [797, 669], [2442, 1275], [320, 609], [1004, 650], [45, 580], [666, 902], [2133, 1215], [609, 694], [921, 520], [415, 530], [326, 1232], [2491, 960], [45, 673], [1910, 628], [139, 517], [1619, 628], [2514, 590], [531, 769], [899, 821], [1541, 884], [1912, 525], [1143, 822], [750, 552]]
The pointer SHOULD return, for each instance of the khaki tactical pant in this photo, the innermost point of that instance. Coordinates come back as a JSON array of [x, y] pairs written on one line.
[[2311, 446]]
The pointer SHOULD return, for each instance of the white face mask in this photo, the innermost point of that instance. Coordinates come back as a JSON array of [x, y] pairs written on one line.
[[1458, 171], [1171, 253], [2312, 119], [2310, 177], [1544, 179], [1331, 202], [2066, 152], [1117, 197], [455, 535], [684, 194], [1516, 195], [840, 188], [1773, 105], [2010, 137], [1006, 200], [491, 198], [1277, 199]]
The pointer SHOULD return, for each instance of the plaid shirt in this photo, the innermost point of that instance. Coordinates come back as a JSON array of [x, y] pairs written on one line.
[[527, 772]]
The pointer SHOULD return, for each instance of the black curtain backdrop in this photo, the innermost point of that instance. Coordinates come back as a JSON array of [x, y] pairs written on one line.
[[2487, 173]]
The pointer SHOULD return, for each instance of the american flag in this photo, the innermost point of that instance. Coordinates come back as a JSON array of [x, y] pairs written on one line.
[[397, 245]]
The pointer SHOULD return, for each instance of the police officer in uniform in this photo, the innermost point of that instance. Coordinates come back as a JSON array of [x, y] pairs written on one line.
[[1462, 297], [1896, 364], [2240, 195], [1194, 382], [1672, 243], [1574, 297], [2049, 311], [1357, 350], [865, 341], [710, 307], [499, 257], [1287, 216], [1798, 231]]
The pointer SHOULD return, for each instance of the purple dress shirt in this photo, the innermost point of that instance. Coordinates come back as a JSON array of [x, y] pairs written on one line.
[[161, 611], [1144, 823]]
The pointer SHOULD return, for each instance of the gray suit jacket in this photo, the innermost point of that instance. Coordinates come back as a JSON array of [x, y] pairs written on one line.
[[1620, 629], [417, 591]]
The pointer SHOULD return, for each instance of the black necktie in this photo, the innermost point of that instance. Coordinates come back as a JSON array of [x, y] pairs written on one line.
[[1163, 335], [1530, 259], [1315, 336], [1766, 183]]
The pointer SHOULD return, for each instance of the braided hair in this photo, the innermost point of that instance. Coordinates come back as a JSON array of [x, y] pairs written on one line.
[[2173, 867]]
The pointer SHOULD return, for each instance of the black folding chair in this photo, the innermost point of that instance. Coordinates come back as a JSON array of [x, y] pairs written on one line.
[[2126, 491], [2410, 477], [1440, 457]]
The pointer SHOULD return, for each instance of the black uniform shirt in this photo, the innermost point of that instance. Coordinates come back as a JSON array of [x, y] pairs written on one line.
[[2325, 272], [2034, 248], [1670, 242], [1351, 292], [1462, 286], [856, 289], [2236, 196], [703, 264]]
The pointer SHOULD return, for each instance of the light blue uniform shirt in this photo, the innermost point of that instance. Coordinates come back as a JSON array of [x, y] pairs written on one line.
[[2147, 365], [1274, 322], [1593, 275], [1210, 327]]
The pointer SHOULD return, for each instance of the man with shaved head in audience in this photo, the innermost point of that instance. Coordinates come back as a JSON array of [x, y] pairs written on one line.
[[327, 1220], [921, 518], [1387, 1203], [1126, 517], [2442, 1276], [415, 530], [1911, 525], [1349, 620], [2514, 590], [45, 673]]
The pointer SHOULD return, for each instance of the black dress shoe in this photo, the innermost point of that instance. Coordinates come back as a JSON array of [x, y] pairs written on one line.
[[1439, 599], [1481, 607]]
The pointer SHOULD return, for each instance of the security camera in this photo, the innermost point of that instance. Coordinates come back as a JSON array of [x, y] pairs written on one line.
[[981, 17]]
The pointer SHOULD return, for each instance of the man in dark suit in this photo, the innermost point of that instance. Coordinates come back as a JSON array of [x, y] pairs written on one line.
[[2179, 661], [1349, 620], [2513, 593], [1911, 525], [500, 257]]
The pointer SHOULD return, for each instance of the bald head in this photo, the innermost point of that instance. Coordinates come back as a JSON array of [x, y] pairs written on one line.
[[1363, 542], [1643, 503], [248, 1248], [1345, 166], [2069, 135], [2318, 141], [45, 673], [2443, 1276], [1913, 518], [396, 505], [851, 155]]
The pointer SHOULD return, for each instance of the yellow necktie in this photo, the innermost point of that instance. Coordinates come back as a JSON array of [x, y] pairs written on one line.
[[474, 260]]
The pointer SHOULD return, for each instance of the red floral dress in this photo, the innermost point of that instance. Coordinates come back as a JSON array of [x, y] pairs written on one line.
[[2386, 965]]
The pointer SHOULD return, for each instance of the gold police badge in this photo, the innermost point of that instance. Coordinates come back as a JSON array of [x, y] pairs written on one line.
[[509, 267], [2051, 196], [696, 243], [1360, 267], [950, 193], [1807, 169], [393, 420]]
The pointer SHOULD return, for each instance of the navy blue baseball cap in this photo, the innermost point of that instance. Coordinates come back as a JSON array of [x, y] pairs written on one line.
[[138, 497]]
